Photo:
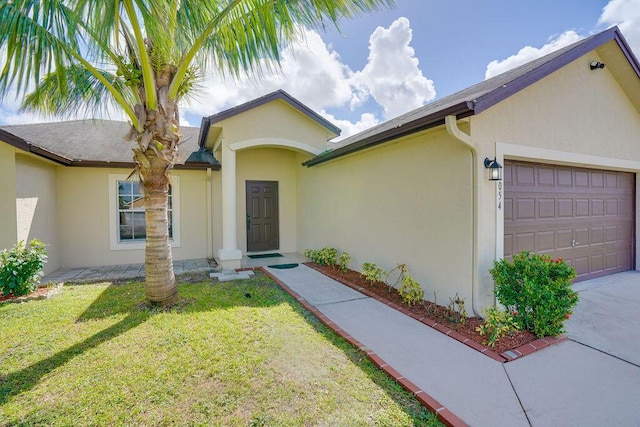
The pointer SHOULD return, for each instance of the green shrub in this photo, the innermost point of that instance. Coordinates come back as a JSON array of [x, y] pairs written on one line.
[[537, 290], [324, 256], [312, 254], [410, 290], [497, 324], [343, 261], [372, 272], [21, 267]]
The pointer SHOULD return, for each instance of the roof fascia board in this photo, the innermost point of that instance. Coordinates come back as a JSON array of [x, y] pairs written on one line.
[[14, 141], [49, 155], [23, 145], [204, 131], [131, 165], [433, 120], [624, 46], [500, 94]]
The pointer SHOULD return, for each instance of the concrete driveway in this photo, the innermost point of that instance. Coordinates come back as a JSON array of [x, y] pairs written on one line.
[[608, 316], [593, 378]]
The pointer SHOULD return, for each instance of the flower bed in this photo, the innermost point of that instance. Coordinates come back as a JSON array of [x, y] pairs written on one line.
[[507, 348]]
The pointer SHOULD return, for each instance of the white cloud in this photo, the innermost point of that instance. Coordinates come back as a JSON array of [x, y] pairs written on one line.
[[316, 75], [392, 75], [529, 53], [349, 128], [625, 14], [310, 72]]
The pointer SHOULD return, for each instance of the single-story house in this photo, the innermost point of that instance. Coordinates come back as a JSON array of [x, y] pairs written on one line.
[[415, 190]]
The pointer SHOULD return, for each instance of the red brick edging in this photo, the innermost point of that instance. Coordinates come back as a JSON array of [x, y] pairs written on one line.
[[503, 357], [443, 414]]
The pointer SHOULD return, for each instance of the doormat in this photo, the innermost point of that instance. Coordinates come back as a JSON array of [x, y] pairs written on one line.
[[264, 256], [283, 266]]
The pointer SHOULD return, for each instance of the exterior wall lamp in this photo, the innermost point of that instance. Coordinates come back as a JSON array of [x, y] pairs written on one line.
[[495, 169]]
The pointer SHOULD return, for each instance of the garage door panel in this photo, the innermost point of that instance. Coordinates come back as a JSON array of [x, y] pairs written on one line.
[[625, 206], [546, 208], [525, 242], [582, 179], [597, 235], [525, 175], [581, 215], [611, 261], [525, 209], [565, 238], [612, 207], [581, 265], [582, 208], [624, 259], [565, 208], [508, 245], [625, 231], [597, 180], [508, 209], [597, 207], [546, 177], [546, 241], [565, 177], [581, 237], [597, 263]]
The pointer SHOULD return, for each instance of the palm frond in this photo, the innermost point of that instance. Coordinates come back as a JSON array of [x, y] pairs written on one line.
[[84, 94], [38, 36]]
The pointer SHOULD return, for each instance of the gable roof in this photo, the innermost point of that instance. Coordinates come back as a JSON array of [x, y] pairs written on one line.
[[95, 143], [280, 94], [477, 98]]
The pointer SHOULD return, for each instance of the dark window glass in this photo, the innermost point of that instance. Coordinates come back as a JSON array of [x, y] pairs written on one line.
[[131, 218]]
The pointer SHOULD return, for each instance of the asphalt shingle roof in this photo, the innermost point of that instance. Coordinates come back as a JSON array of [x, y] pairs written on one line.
[[91, 140]]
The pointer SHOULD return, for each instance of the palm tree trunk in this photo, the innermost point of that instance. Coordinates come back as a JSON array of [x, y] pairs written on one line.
[[160, 287]]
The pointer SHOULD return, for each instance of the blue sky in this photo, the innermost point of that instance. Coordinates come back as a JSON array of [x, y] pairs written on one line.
[[389, 62]]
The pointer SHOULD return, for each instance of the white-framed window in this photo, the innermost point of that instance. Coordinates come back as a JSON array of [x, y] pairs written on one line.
[[127, 225]]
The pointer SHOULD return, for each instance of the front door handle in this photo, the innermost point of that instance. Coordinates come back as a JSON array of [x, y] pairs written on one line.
[[248, 221]]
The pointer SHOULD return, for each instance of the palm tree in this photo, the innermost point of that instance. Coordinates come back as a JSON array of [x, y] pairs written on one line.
[[144, 57]]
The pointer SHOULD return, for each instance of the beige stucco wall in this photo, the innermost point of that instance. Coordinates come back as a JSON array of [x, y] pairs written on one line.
[[269, 164], [574, 116], [8, 230], [36, 205], [409, 202], [276, 120], [83, 213]]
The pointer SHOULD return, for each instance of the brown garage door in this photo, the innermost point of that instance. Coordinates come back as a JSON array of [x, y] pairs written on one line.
[[584, 216]]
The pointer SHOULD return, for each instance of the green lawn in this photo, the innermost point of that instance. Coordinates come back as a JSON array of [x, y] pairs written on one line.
[[92, 356]]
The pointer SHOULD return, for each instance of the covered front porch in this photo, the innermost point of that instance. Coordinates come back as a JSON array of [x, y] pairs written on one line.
[[261, 145]]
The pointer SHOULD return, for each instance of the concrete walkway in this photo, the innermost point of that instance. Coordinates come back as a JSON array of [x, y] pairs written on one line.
[[136, 271], [122, 271], [592, 379]]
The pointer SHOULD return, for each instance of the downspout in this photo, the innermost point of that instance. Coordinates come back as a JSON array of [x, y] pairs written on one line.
[[451, 123], [209, 215]]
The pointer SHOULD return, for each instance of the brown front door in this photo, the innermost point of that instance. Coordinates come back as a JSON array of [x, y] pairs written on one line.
[[585, 216], [262, 216]]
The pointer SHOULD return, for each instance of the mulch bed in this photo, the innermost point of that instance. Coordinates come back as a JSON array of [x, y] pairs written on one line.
[[43, 292], [431, 312]]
